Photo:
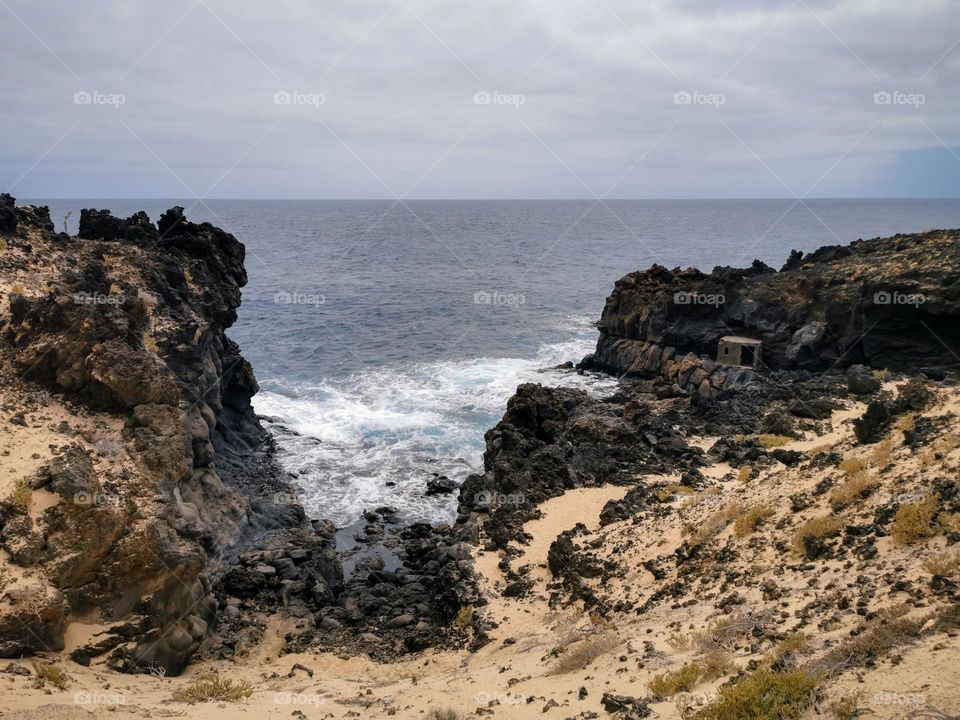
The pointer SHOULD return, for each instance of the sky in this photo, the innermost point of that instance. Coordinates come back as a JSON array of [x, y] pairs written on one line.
[[480, 98]]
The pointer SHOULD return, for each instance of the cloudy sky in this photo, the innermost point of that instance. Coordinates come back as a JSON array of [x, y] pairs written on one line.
[[480, 98]]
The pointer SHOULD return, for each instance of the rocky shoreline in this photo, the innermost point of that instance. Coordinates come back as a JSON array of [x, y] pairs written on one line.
[[145, 498]]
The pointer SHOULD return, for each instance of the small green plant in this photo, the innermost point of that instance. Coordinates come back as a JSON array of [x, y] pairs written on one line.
[[22, 495], [464, 617], [764, 695], [50, 673], [914, 521], [210, 687]]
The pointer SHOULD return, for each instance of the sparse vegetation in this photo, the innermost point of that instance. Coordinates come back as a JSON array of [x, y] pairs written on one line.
[[764, 695], [815, 528], [857, 486], [783, 654], [844, 708], [714, 524], [889, 630], [751, 519], [464, 617], [914, 521], [668, 684], [744, 474], [213, 688], [882, 454], [444, 714], [668, 491], [50, 673], [942, 564], [22, 495], [949, 522], [580, 654], [150, 343], [852, 465], [773, 441]]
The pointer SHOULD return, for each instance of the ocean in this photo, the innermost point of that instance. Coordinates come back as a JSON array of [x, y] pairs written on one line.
[[388, 336]]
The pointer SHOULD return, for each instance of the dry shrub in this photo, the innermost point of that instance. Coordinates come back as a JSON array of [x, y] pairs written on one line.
[[715, 664], [668, 491], [580, 654], [907, 423], [744, 474], [764, 695], [22, 495], [949, 522], [444, 714], [852, 465], [751, 519], [845, 708], [213, 688], [715, 523], [773, 441], [858, 486], [150, 343], [914, 521], [464, 617], [50, 673], [874, 640], [882, 453], [668, 684], [784, 652], [815, 528], [942, 564]]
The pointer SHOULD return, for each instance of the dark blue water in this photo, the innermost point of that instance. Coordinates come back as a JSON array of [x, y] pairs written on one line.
[[389, 336]]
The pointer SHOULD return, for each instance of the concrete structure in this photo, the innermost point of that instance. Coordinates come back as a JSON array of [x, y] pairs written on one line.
[[740, 351]]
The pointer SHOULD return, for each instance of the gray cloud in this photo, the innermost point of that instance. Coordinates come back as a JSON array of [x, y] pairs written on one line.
[[668, 99]]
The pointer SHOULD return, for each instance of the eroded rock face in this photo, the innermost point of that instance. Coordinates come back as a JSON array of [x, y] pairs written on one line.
[[129, 323], [886, 303]]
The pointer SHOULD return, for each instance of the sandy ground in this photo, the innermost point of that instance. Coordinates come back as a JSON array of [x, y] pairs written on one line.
[[529, 669]]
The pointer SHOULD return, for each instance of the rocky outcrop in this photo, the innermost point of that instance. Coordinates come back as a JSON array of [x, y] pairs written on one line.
[[127, 323], [886, 303]]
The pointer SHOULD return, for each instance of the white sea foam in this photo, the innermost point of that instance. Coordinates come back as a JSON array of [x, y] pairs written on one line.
[[354, 435]]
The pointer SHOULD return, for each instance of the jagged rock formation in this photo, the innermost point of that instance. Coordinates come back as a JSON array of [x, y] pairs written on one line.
[[126, 324], [887, 303]]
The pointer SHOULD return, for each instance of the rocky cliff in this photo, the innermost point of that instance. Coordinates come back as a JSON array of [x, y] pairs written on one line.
[[886, 303], [152, 471]]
